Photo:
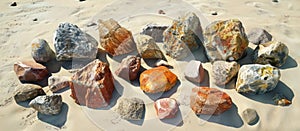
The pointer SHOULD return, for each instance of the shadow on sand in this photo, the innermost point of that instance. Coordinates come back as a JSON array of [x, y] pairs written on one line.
[[58, 120]]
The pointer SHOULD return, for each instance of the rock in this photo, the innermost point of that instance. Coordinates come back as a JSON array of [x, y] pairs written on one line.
[[155, 31], [129, 68], [35, 19], [41, 51], [57, 83], [48, 105], [250, 116], [223, 71], [280, 99], [72, 43], [166, 108], [225, 40], [275, 1], [209, 101], [147, 47], [194, 71], [214, 13], [27, 92], [13, 4], [161, 12], [257, 79], [259, 36], [183, 36], [273, 52], [30, 71], [161, 62], [116, 40], [93, 85], [158, 79], [131, 108]]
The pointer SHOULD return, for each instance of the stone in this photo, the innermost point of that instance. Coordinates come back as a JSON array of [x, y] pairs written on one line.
[[223, 71], [57, 83], [41, 51], [161, 62], [273, 52], [129, 68], [259, 36], [166, 108], [158, 79], [131, 108], [183, 36], [280, 99], [27, 92], [13, 4], [116, 40], [48, 105], [147, 47], [209, 101], [257, 78], [250, 116], [93, 85], [194, 71], [161, 12], [71, 42], [225, 40], [30, 71], [155, 31]]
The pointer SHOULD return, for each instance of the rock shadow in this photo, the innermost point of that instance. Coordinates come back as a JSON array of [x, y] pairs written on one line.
[[230, 85], [166, 94], [205, 81], [101, 55], [75, 63], [118, 92], [177, 121], [289, 63], [53, 66], [58, 120], [247, 58], [24, 103]]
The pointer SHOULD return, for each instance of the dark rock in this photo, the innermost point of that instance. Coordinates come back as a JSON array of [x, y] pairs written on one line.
[[250, 116], [147, 47], [129, 68], [27, 92], [214, 13], [131, 108], [259, 36], [48, 105], [57, 83], [166, 108], [35, 19], [194, 71], [155, 31], [30, 71], [41, 51], [13, 4], [161, 12], [223, 71]]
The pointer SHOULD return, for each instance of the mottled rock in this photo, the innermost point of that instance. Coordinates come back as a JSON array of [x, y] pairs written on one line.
[[72, 43], [48, 105], [27, 92], [273, 52], [147, 47], [41, 51], [223, 71], [30, 71], [194, 71], [161, 62], [259, 36], [129, 68], [183, 36], [116, 40], [225, 40], [209, 101], [280, 99], [158, 79], [257, 79], [93, 85], [155, 31], [166, 108], [250, 116], [57, 83], [131, 108]]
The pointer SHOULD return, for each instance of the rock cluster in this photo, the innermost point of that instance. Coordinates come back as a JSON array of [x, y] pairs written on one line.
[[147, 47], [131, 108], [41, 52], [48, 105], [166, 108], [129, 68], [155, 31], [223, 71], [30, 71], [27, 92], [194, 71]]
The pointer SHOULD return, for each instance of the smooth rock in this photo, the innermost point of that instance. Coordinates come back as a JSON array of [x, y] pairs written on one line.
[[194, 71], [259, 36], [161, 62], [57, 83], [30, 71], [129, 68], [209, 101], [27, 92], [223, 71], [48, 105], [280, 99], [158, 79], [155, 31], [147, 47], [93, 85], [131, 108], [250, 116], [166, 108], [257, 79], [41, 51], [225, 40]]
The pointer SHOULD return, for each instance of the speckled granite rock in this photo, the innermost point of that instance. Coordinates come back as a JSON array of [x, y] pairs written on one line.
[[194, 71], [131, 108], [166, 108], [57, 83], [155, 31], [30, 71], [259, 36], [250, 116], [27, 92], [129, 68], [48, 105], [41, 52], [280, 99], [223, 71], [147, 47]]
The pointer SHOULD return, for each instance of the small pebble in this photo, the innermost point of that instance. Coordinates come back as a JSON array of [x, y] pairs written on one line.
[[13, 4], [35, 19], [214, 13], [81, 0], [161, 12], [250, 116], [275, 1]]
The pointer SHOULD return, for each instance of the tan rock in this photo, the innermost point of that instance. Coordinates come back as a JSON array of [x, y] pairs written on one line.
[[147, 47], [27, 92], [30, 71], [223, 71]]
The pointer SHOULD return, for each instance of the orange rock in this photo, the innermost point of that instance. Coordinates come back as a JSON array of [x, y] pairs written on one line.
[[30, 71]]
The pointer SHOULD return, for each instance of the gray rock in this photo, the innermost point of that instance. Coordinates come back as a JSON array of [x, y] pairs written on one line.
[[280, 99], [131, 108], [223, 71], [147, 47], [259, 36], [41, 52], [155, 31], [48, 105], [194, 71], [27, 92], [57, 83], [250, 116], [129, 68]]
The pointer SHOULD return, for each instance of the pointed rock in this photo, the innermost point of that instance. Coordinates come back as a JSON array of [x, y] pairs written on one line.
[[48, 105], [223, 71], [147, 47], [129, 68], [30, 71], [27, 92]]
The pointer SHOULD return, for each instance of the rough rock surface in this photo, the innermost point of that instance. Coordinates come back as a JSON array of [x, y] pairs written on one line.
[[280, 99], [225, 40], [41, 52], [116, 40], [194, 71], [210, 101], [93, 85], [30, 71], [155, 31], [129, 68], [48, 105], [259, 36], [166, 108], [250, 116], [131, 108], [223, 71], [183, 36], [147, 47], [273, 52], [257, 79], [158, 79], [27, 92], [57, 83]]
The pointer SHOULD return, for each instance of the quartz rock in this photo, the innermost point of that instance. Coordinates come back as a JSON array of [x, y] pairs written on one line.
[[27, 92], [223, 71], [259, 36], [280, 99], [257, 79], [250, 116], [225, 40], [129, 68], [147, 47], [209, 101], [166, 108], [131, 108], [57, 83], [194, 71], [41, 52], [155, 31], [48, 105], [30, 71]]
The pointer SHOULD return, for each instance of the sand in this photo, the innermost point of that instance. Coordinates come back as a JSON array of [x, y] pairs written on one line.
[[18, 29]]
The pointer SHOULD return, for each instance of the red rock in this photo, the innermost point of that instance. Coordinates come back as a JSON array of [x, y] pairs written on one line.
[[93, 85], [30, 71], [209, 101], [129, 68], [166, 108]]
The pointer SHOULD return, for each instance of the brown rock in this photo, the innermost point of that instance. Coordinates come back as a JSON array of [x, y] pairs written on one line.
[[166, 108], [129, 68], [57, 83], [27, 92], [30, 71]]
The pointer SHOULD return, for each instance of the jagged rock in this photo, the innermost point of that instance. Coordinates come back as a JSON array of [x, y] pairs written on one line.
[[194, 71], [116, 40], [259, 36], [57, 83], [41, 52], [166, 108], [147, 47], [158, 79], [257, 79], [161, 62], [93, 85], [209, 101], [223, 71], [48, 105], [225, 40], [129, 68], [27, 92], [155, 31], [280, 99], [131, 108], [250, 116], [30, 71], [183, 36], [72, 43], [273, 52]]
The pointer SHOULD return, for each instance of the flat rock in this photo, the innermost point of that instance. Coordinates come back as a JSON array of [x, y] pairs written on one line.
[[48, 105], [129, 68], [223, 71], [147, 47], [131, 108], [259, 36], [194, 71], [257, 79], [30, 71], [280, 99], [250, 116], [155, 31], [27, 92], [57, 83], [41, 51], [166, 108]]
